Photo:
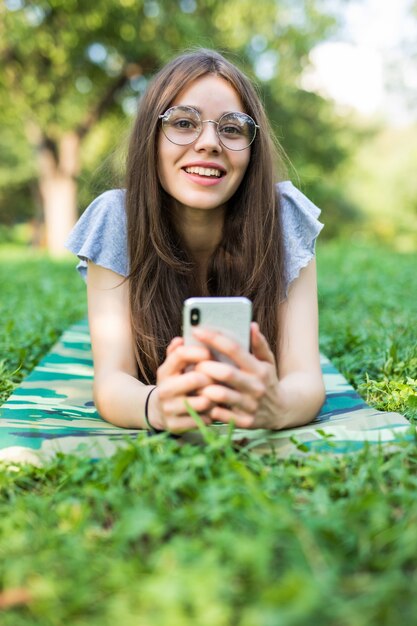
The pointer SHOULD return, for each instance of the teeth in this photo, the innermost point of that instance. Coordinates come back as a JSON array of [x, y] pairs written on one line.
[[204, 171]]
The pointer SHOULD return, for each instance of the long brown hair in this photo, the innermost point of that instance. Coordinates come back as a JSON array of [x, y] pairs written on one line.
[[249, 259]]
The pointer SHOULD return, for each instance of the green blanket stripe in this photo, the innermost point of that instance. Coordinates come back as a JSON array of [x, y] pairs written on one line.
[[52, 411]]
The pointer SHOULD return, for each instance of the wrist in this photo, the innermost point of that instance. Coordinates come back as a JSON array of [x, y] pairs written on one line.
[[151, 412]]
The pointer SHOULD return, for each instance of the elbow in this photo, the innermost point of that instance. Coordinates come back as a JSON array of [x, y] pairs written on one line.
[[304, 405], [97, 399], [321, 396], [317, 399], [101, 400], [115, 399], [318, 404]]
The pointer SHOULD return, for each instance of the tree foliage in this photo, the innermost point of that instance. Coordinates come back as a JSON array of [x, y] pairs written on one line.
[[72, 69]]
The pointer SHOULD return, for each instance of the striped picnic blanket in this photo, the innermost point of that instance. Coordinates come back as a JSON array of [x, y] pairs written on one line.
[[52, 411]]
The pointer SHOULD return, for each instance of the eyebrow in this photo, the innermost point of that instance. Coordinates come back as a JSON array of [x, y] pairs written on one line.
[[193, 107], [201, 112]]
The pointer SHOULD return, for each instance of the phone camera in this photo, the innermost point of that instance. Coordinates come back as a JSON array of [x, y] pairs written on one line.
[[194, 316]]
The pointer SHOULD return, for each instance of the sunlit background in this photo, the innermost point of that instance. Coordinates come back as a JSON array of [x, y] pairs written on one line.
[[368, 64], [338, 79]]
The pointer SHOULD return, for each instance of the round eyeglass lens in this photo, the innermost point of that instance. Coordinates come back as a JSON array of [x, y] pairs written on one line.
[[181, 125], [236, 130]]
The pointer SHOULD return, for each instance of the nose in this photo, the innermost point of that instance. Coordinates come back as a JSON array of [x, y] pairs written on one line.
[[208, 138]]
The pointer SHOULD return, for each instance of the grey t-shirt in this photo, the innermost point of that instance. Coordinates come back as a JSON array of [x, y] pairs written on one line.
[[100, 235]]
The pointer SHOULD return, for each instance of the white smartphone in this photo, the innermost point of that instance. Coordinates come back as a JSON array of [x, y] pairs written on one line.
[[229, 315]]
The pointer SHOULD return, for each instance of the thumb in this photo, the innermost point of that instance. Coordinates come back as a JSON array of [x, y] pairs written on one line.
[[260, 346], [174, 343]]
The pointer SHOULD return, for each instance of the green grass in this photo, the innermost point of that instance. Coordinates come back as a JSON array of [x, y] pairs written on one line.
[[368, 321], [38, 300], [163, 535]]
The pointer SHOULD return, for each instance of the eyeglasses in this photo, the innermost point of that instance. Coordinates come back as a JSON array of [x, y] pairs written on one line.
[[183, 125]]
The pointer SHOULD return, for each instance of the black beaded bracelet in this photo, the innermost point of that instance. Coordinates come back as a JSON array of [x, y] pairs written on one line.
[[152, 430]]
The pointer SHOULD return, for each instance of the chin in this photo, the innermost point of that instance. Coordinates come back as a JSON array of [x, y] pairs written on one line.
[[201, 203]]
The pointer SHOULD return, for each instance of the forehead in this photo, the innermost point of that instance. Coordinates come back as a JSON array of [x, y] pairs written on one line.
[[210, 93]]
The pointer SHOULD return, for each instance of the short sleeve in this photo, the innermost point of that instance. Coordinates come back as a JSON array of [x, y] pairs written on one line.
[[300, 226], [100, 235]]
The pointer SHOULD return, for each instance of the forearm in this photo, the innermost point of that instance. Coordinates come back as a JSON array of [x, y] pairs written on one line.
[[120, 399], [299, 397]]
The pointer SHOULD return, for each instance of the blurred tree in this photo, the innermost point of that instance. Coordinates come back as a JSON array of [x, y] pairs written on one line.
[[401, 68], [17, 169], [383, 181], [68, 64]]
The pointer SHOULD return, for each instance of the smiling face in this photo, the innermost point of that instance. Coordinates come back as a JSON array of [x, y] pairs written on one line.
[[203, 175]]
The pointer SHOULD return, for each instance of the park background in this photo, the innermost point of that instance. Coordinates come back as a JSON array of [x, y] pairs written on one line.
[[219, 538], [338, 80]]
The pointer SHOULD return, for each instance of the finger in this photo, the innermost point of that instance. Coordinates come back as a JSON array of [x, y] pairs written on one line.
[[182, 384], [232, 377], [179, 358], [178, 406], [260, 346], [226, 346], [182, 424], [219, 394], [225, 415], [174, 343]]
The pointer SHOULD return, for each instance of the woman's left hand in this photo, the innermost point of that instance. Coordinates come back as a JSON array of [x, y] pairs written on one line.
[[247, 393]]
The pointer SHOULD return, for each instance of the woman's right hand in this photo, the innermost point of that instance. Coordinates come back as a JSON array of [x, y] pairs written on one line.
[[176, 384]]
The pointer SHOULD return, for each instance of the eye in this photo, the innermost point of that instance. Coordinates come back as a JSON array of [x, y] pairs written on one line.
[[232, 130], [183, 123]]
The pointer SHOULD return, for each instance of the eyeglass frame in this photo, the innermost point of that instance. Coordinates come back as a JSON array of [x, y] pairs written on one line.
[[163, 115]]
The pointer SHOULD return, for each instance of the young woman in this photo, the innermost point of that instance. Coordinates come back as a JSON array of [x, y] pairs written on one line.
[[201, 215]]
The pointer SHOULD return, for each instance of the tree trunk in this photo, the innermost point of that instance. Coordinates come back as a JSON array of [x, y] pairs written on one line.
[[58, 167]]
